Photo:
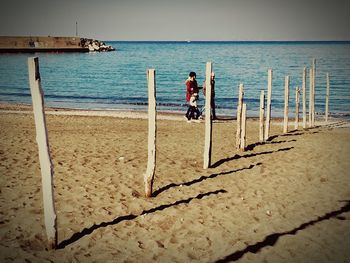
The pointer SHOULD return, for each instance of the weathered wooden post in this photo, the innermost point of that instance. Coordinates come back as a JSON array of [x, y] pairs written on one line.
[[313, 90], [42, 140], [261, 119], [244, 124], [152, 129], [286, 102], [327, 99], [208, 118], [304, 97], [268, 104], [310, 97], [297, 99], [239, 116]]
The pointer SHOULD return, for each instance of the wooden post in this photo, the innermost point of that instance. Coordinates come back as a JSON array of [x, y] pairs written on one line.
[[286, 102], [208, 118], [313, 91], [327, 99], [261, 122], [304, 97], [239, 116], [152, 129], [42, 140], [297, 99], [243, 131], [268, 104], [310, 97]]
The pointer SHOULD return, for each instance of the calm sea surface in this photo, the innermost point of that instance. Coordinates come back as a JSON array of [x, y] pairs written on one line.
[[117, 80]]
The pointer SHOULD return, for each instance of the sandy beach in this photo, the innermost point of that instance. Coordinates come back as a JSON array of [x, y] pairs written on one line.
[[287, 200]]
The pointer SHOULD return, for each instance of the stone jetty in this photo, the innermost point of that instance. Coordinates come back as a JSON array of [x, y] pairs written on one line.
[[31, 44]]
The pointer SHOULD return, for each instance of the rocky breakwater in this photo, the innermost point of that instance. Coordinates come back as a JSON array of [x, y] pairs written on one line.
[[31, 44], [95, 45]]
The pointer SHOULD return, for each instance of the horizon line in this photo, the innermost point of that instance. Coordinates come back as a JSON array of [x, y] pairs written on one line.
[[190, 41], [237, 41]]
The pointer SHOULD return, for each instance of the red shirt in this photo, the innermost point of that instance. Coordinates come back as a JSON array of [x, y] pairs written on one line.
[[191, 87]]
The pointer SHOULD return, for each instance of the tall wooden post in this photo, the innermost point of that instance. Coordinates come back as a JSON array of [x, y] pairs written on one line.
[[304, 97], [208, 118], [152, 129], [310, 97], [46, 165], [297, 99], [268, 104], [313, 91], [286, 102], [243, 131], [239, 115], [261, 119], [327, 99]]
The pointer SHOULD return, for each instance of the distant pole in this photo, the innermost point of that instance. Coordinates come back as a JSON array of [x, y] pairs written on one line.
[[286, 102], [268, 104], [313, 90], [239, 115], [46, 165], [208, 118], [297, 99], [304, 97], [310, 97], [152, 129], [76, 28], [243, 131], [327, 99], [261, 122]]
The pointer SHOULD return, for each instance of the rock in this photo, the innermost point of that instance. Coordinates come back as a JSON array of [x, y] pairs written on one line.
[[94, 45]]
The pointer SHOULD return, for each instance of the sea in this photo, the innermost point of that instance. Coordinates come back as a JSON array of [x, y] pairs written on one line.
[[117, 80]]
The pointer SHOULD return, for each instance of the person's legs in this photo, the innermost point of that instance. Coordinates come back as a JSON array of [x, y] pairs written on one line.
[[213, 108], [191, 114], [198, 114], [188, 112]]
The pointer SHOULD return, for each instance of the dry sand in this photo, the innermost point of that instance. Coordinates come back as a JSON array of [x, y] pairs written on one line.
[[284, 201]]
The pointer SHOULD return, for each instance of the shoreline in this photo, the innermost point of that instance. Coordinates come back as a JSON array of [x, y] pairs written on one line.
[[139, 114]]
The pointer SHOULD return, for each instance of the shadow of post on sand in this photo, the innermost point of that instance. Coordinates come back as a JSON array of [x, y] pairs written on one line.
[[87, 231], [237, 156], [271, 240]]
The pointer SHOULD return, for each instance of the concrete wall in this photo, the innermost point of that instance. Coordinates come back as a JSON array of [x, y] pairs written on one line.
[[23, 43]]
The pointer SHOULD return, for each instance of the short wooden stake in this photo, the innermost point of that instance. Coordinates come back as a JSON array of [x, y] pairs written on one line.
[[46, 165], [243, 131], [268, 105], [208, 118], [239, 116], [304, 97], [297, 99], [327, 99], [152, 129], [261, 119], [286, 102]]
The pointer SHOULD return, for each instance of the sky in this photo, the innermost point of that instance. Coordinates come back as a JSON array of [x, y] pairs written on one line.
[[178, 20]]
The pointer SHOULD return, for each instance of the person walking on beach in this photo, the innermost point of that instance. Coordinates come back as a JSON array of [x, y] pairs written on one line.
[[192, 97], [212, 102]]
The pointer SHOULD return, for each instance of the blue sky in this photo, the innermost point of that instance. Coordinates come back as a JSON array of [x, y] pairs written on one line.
[[179, 19]]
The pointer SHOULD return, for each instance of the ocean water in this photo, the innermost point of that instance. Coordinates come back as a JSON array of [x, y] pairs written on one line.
[[117, 80]]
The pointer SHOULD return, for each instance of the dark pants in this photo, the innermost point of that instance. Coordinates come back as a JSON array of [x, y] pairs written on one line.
[[212, 103], [192, 113]]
